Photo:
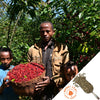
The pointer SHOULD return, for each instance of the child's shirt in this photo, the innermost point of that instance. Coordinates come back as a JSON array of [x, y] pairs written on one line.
[[8, 93]]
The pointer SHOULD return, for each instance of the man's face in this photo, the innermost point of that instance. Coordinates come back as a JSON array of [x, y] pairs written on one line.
[[5, 59], [46, 31]]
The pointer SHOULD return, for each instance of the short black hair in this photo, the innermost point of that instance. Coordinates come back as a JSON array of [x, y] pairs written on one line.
[[49, 23], [6, 49], [69, 64]]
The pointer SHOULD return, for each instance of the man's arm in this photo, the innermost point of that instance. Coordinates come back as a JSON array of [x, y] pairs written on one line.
[[65, 54], [29, 55]]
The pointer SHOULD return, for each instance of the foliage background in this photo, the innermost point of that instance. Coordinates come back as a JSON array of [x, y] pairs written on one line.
[[77, 24]]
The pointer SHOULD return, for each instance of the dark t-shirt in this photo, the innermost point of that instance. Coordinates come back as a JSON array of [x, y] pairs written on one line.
[[49, 91], [46, 58]]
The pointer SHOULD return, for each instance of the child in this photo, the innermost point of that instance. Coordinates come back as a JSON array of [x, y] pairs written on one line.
[[6, 91], [70, 70]]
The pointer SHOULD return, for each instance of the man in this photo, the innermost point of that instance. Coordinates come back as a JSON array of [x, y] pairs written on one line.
[[53, 55]]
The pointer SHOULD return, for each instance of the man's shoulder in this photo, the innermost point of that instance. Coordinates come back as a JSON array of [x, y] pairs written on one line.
[[36, 46], [31, 47], [61, 45]]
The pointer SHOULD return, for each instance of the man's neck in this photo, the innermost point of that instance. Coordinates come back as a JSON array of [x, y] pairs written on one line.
[[46, 44]]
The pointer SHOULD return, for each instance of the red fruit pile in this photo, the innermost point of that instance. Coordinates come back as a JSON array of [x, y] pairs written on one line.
[[25, 72]]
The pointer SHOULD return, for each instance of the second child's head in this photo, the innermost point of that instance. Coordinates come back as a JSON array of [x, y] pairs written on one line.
[[5, 57], [70, 70]]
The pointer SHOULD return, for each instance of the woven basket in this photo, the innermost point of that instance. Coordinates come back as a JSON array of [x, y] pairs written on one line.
[[27, 88]]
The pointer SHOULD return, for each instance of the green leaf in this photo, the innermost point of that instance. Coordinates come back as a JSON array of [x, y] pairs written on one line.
[[93, 33], [81, 15], [79, 48], [83, 49], [25, 76], [86, 50], [13, 80]]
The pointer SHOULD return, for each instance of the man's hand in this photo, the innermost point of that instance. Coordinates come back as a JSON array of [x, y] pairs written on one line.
[[41, 85]]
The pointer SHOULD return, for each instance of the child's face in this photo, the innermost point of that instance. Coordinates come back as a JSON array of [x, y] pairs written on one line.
[[69, 74], [5, 59]]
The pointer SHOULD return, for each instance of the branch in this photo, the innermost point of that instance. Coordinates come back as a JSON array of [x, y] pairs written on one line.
[[14, 29], [4, 3], [9, 32]]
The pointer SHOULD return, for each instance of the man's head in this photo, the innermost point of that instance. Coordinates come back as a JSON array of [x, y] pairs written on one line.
[[5, 57], [46, 31], [70, 70]]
